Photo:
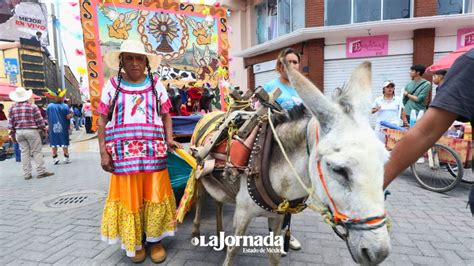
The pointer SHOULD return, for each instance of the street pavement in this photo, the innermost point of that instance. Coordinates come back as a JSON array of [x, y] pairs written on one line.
[[428, 228]]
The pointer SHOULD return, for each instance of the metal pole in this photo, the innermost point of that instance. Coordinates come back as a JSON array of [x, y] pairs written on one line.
[[55, 45], [59, 43]]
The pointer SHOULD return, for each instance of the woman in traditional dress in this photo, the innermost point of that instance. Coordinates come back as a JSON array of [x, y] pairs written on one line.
[[135, 132]]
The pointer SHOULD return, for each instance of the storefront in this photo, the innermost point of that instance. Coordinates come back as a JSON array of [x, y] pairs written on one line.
[[391, 56]]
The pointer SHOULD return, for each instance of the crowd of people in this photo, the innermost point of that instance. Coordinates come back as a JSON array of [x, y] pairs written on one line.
[[394, 112], [32, 125], [135, 134], [191, 98]]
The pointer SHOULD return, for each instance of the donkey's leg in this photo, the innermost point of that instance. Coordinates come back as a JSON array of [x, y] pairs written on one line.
[[241, 221], [219, 207], [197, 217], [275, 223]]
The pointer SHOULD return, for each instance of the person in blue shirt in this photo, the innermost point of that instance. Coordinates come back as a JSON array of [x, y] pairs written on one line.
[[59, 117], [287, 100]]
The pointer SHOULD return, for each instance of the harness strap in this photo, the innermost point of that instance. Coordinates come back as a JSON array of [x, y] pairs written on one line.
[[259, 185]]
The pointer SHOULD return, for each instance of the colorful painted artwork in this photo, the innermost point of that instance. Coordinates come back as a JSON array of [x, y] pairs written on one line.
[[191, 39]]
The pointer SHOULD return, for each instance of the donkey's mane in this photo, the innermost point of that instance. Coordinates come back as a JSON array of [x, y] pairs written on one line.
[[298, 112]]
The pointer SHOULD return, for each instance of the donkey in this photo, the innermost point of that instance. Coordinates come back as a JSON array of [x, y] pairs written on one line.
[[347, 153]]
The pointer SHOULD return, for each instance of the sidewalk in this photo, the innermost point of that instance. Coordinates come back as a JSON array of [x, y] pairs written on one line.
[[428, 228]]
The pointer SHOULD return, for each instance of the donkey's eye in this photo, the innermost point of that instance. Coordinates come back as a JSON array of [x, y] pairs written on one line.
[[341, 171]]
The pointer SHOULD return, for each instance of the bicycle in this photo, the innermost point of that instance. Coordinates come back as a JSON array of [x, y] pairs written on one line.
[[439, 170]]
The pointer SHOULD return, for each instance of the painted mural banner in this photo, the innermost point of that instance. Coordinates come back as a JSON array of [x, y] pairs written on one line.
[[465, 37], [191, 39], [367, 46]]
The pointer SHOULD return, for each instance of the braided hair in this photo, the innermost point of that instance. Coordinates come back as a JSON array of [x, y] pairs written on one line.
[[114, 101], [120, 77], [150, 76]]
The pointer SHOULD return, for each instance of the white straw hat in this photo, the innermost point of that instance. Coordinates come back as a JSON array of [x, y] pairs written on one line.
[[20, 94], [131, 46]]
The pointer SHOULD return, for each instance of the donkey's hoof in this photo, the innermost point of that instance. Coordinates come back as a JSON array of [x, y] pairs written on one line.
[[195, 234]]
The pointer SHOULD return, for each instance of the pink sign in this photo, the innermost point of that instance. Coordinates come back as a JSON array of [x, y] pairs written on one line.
[[465, 37], [367, 46]]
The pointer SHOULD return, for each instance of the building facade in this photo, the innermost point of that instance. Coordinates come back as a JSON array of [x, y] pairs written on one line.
[[334, 36], [27, 66]]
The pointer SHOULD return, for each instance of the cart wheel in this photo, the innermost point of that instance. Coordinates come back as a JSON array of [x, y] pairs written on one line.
[[439, 170]]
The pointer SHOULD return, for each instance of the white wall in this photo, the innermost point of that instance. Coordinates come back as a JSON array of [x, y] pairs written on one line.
[[445, 40], [237, 40]]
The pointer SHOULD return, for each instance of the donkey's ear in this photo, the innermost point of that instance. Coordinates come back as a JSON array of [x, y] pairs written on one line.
[[358, 94], [312, 98]]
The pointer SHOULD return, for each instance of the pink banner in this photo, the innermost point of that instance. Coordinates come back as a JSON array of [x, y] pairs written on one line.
[[465, 37], [367, 46]]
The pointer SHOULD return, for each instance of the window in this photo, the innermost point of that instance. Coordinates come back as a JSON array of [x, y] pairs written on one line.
[[393, 9], [339, 12], [278, 17], [448, 7]]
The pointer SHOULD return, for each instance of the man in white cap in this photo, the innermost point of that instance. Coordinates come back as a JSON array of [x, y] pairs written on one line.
[[25, 123]]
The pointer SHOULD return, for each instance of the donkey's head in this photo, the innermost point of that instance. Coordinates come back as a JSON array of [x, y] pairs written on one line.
[[351, 160]]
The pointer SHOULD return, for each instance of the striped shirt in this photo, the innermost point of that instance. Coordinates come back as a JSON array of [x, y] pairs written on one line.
[[24, 115]]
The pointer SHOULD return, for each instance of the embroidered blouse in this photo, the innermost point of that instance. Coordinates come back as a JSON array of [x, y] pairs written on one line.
[[135, 137]]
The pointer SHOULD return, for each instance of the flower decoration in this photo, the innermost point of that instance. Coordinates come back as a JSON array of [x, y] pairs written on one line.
[[221, 72], [81, 71], [134, 148], [79, 52], [160, 148]]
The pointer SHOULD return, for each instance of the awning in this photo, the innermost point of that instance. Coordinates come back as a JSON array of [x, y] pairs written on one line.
[[6, 88], [447, 61]]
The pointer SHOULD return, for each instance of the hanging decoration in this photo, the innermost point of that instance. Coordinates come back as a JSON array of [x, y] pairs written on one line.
[[79, 52], [81, 71]]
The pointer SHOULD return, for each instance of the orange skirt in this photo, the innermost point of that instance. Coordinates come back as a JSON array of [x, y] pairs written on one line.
[[138, 204]]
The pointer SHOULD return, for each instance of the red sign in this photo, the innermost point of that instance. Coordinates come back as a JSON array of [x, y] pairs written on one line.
[[465, 37], [367, 46]]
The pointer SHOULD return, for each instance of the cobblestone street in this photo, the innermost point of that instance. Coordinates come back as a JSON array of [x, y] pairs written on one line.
[[428, 228]]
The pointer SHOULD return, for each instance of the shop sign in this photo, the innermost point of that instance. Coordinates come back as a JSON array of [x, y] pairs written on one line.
[[465, 37], [367, 46], [11, 66]]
